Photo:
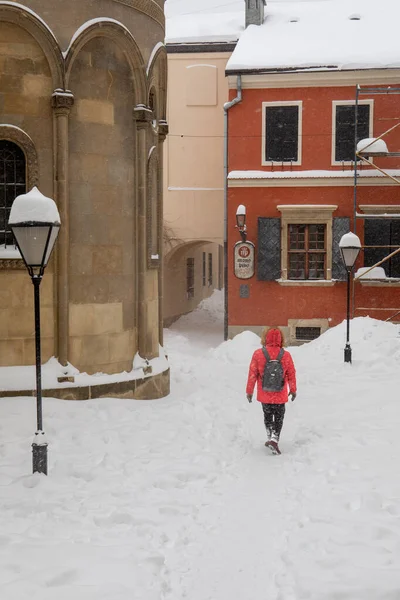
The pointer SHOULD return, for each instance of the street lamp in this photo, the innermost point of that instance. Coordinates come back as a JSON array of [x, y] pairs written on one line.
[[241, 221], [350, 247], [35, 223]]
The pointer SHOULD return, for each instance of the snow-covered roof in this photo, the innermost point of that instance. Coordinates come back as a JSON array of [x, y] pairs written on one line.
[[321, 34], [204, 21]]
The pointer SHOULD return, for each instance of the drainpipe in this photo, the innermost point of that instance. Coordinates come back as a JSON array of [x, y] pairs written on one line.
[[227, 107]]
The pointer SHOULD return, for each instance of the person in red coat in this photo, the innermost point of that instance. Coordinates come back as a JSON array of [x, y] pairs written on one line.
[[273, 403]]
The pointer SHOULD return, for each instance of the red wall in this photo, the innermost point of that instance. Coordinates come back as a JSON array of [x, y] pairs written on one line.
[[245, 125], [269, 302]]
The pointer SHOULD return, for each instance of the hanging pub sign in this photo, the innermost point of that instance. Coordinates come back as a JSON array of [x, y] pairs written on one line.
[[244, 260]]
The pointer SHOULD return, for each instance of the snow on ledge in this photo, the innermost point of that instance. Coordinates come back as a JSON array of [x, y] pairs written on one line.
[[10, 252], [309, 174], [375, 273], [23, 378]]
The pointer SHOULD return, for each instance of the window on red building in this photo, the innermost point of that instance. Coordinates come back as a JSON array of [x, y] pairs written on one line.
[[344, 128], [306, 252], [381, 238], [281, 132]]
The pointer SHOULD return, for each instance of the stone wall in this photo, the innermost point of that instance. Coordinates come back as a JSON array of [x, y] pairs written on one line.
[[84, 122]]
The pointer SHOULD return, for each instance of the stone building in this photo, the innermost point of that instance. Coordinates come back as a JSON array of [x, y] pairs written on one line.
[[82, 117]]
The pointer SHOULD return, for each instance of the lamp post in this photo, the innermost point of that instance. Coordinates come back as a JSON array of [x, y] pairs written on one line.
[[35, 223], [350, 247], [241, 221]]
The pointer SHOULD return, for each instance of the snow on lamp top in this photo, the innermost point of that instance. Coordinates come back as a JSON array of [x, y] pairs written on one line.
[[33, 207], [371, 145], [350, 240]]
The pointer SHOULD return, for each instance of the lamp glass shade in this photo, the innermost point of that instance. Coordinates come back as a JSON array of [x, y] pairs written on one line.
[[35, 241], [241, 220], [349, 255], [53, 237]]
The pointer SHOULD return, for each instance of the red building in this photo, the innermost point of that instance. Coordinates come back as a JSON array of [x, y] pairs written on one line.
[[291, 153]]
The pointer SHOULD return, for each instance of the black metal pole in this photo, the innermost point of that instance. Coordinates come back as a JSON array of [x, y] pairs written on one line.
[[347, 349], [39, 445]]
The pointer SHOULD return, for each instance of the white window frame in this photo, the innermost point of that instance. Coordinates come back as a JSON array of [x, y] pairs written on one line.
[[269, 163], [335, 103]]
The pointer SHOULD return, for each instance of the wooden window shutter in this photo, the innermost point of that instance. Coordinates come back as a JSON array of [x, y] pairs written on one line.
[[340, 226], [269, 249]]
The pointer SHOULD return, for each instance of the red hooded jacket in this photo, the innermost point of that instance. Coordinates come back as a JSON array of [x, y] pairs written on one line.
[[273, 345]]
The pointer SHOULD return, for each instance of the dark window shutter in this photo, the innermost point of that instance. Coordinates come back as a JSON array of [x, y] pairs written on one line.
[[395, 241], [269, 249], [377, 233], [345, 130], [282, 130], [340, 226]]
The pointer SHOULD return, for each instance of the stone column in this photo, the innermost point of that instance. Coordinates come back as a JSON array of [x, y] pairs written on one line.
[[162, 134], [62, 103], [143, 119]]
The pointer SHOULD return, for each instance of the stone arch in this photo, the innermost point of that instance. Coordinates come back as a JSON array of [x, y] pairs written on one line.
[[117, 32], [157, 78], [27, 19], [22, 139], [183, 246]]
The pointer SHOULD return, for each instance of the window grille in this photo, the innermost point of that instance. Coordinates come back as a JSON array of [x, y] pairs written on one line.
[[345, 129], [307, 334], [282, 133], [190, 277], [12, 184], [381, 237], [307, 252], [210, 269], [204, 269]]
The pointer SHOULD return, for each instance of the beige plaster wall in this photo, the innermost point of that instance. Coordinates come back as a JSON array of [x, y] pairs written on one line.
[[194, 174]]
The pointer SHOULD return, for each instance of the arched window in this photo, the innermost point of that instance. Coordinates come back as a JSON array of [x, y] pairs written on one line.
[[12, 184]]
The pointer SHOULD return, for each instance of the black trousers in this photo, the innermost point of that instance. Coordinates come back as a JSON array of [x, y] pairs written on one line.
[[273, 418]]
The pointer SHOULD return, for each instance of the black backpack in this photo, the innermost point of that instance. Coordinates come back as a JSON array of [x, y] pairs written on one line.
[[273, 377]]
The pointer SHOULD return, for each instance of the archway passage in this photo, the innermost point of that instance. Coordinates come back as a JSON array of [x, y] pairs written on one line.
[[192, 272]]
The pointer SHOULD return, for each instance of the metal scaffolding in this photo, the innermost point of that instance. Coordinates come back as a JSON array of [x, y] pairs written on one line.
[[365, 156]]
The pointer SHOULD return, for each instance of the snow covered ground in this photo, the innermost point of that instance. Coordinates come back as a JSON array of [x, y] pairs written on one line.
[[177, 499]]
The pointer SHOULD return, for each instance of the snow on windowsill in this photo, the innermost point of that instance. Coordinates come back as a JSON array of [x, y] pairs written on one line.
[[23, 378], [306, 282], [309, 174], [10, 252]]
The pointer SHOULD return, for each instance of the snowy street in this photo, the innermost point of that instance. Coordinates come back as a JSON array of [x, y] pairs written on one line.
[[179, 499]]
